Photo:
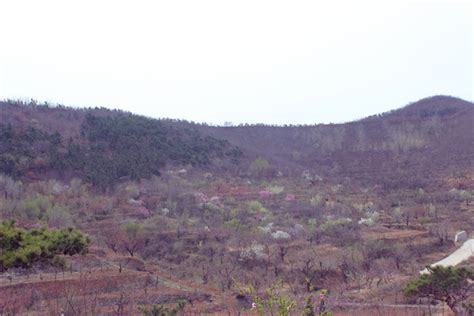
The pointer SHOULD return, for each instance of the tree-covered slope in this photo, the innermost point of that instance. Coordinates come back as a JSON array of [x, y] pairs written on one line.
[[106, 148], [413, 146]]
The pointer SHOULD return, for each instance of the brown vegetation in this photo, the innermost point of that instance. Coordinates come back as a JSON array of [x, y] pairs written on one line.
[[357, 209]]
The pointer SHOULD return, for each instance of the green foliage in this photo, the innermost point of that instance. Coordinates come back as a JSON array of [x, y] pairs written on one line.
[[213, 211], [132, 191], [109, 148], [310, 309], [276, 189], [161, 310], [21, 248], [235, 224], [259, 166], [331, 223], [59, 262], [448, 284], [35, 207], [274, 302], [440, 282], [137, 147], [312, 223], [134, 237], [132, 229], [30, 148], [256, 207]]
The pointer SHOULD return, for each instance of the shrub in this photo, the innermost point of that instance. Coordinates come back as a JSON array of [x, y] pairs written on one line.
[[161, 310], [22, 248], [35, 207], [259, 166], [274, 301], [447, 284]]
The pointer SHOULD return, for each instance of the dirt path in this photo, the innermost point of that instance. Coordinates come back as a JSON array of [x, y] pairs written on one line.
[[458, 256], [390, 234]]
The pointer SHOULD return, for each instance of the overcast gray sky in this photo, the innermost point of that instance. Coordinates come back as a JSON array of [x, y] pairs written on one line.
[[240, 61]]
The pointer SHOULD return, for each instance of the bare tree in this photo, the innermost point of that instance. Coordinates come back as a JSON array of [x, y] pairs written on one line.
[[133, 238]]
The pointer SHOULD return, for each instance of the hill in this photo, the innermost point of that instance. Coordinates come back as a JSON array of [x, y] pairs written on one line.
[[410, 147], [413, 146], [98, 146], [219, 216]]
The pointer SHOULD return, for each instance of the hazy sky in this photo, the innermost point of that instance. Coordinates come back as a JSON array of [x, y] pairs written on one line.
[[240, 61]]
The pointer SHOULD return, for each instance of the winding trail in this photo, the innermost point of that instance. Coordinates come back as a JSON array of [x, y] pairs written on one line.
[[459, 255]]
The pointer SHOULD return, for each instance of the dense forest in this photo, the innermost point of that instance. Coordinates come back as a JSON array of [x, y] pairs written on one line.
[[109, 148]]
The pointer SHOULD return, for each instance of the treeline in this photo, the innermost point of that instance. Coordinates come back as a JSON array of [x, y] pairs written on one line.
[[109, 148]]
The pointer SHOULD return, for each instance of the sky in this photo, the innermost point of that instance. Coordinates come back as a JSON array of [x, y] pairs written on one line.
[[273, 62]]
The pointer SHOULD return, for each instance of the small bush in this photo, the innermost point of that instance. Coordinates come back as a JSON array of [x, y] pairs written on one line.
[[161, 310], [22, 248]]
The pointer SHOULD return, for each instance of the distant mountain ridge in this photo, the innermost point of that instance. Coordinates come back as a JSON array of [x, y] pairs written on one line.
[[413, 146], [410, 146]]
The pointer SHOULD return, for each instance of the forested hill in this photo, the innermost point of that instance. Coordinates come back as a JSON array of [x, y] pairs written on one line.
[[99, 146], [414, 146]]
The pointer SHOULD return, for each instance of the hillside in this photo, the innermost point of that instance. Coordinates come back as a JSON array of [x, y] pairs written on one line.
[[410, 147], [413, 146], [101, 147], [170, 211]]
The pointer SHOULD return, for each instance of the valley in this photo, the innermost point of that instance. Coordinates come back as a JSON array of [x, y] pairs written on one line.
[[206, 219]]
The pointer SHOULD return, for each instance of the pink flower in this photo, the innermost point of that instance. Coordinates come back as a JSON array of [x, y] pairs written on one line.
[[322, 296], [254, 305], [201, 197], [264, 194]]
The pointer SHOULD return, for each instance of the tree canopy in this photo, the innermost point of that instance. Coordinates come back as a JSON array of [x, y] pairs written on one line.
[[447, 284], [22, 247], [109, 148]]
